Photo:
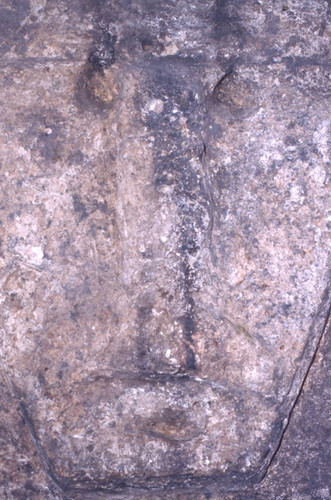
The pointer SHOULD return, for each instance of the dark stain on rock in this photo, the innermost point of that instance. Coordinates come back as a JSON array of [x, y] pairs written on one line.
[[50, 145], [43, 133], [11, 31], [295, 63], [79, 207], [227, 21], [41, 378], [272, 24], [75, 314], [103, 53], [188, 320], [143, 350], [76, 158], [29, 487]]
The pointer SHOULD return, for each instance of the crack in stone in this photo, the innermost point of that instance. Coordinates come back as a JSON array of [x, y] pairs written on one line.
[[44, 459], [287, 419]]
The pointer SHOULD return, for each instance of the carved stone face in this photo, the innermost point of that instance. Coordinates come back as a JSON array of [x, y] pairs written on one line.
[[161, 283]]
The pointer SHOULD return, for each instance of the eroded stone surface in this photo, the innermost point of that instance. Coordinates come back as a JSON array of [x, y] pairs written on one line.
[[164, 233]]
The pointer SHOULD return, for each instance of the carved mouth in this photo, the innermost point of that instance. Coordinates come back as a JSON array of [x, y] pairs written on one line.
[[170, 425], [129, 418]]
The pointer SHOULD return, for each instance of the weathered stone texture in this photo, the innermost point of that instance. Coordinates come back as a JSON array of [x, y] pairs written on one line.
[[164, 240]]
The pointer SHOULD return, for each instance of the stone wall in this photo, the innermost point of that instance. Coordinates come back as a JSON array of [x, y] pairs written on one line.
[[164, 248]]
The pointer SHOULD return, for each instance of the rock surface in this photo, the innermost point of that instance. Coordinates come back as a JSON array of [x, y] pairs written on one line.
[[164, 239]]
